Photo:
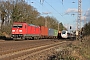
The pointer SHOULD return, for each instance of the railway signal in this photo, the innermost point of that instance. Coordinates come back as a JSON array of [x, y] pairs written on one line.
[[70, 27]]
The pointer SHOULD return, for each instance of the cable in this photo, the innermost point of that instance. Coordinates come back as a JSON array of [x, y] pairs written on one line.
[[52, 7], [42, 5], [55, 10]]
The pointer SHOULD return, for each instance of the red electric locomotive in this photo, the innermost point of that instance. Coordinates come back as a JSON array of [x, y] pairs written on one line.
[[25, 31]]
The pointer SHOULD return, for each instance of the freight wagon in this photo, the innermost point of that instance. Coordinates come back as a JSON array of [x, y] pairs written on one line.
[[44, 32], [52, 33], [22, 30]]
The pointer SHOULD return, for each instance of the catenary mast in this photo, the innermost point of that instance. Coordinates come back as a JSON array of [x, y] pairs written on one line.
[[78, 32]]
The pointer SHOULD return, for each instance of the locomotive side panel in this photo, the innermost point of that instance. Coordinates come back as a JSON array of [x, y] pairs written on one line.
[[37, 30], [33, 32], [29, 30]]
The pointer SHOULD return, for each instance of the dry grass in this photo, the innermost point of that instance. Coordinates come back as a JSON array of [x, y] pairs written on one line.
[[77, 51], [82, 49]]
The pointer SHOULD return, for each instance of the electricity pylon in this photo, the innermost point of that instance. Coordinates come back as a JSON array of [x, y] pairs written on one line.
[[78, 33]]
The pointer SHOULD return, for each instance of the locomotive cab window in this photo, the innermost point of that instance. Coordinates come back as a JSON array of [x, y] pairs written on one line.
[[17, 26], [68, 33], [63, 32]]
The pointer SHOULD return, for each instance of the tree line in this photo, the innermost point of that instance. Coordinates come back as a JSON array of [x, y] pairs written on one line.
[[19, 11], [86, 29]]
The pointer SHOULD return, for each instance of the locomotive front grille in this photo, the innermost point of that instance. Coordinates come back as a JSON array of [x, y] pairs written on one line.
[[17, 35]]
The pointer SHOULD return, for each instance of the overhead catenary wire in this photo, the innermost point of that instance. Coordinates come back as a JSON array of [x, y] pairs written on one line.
[[63, 7], [43, 5], [40, 4], [53, 7]]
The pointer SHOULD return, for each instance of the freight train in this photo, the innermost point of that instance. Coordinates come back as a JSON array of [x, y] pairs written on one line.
[[22, 30]]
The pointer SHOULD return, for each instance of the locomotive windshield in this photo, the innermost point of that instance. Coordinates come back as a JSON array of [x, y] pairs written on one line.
[[17, 26], [63, 32]]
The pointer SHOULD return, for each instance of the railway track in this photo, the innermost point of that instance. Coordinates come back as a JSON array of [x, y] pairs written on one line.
[[22, 54]]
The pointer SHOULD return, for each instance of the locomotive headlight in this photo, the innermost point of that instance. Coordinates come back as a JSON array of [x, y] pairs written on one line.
[[13, 30], [12, 35], [20, 30]]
